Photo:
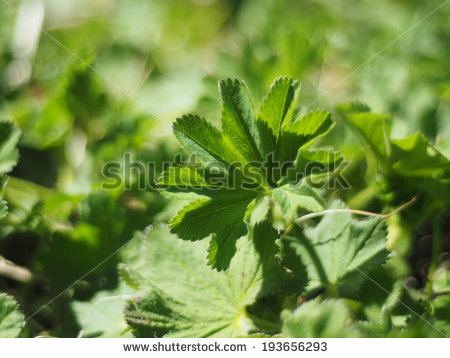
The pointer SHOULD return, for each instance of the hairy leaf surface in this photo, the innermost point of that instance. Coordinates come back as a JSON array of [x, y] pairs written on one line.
[[239, 169], [11, 319], [319, 319], [184, 297], [338, 252]]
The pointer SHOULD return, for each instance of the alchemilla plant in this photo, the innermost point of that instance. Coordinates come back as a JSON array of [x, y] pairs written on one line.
[[256, 162], [261, 244], [261, 232]]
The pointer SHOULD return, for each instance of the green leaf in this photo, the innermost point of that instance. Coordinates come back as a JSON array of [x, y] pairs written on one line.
[[338, 252], [302, 132], [185, 298], [100, 232], [78, 93], [290, 260], [273, 275], [441, 280], [441, 307], [222, 218], [319, 319], [203, 140], [373, 130], [195, 179], [277, 107], [11, 319], [312, 162], [210, 147], [102, 315], [9, 137], [238, 120], [234, 178], [209, 181], [290, 198], [413, 156], [257, 210], [416, 156]]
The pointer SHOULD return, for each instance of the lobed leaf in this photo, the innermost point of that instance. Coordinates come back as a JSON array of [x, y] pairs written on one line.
[[11, 319], [338, 252], [319, 319], [416, 156], [102, 316], [372, 129], [277, 108], [238, 120], [302, 132], [234, 198], [290, 198], [221, 217], [202, 139], [312, 162], [185, 298]]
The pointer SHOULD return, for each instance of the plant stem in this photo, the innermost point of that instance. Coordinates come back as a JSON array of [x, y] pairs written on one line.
[[356, 212], [350, 211], [12, 271]]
